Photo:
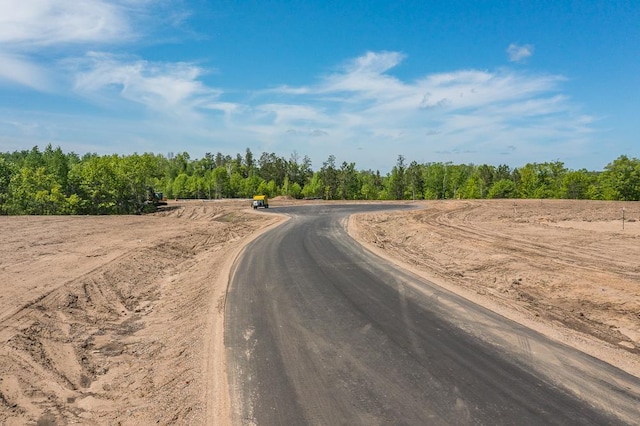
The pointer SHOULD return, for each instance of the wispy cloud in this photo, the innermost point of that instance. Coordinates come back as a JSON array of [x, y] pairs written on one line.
[[461, 112], [289, 114], [518, 53], [16, 69], [166, 87], [365, 76], [374, 62], [50, 46], [37, 23], [35, 33], [380, 99], [358, 111]]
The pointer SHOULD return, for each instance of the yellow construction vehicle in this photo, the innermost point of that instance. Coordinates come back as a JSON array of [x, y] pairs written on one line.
[[260, 201]]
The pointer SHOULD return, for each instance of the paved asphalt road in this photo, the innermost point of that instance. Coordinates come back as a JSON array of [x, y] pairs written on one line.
[[319, 331]]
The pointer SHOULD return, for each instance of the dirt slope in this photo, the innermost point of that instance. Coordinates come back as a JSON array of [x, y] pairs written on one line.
[[566, 268], [117, 320]]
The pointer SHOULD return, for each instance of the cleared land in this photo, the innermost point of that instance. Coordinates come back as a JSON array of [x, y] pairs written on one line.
[[119, 319], [565, 268]]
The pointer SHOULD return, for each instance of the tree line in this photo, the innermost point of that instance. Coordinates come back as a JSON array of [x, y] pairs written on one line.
[[51, 181]]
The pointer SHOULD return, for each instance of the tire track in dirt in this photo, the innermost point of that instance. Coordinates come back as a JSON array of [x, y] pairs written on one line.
[[566, 260], [124, 340], [565, 255], [580, 279], [99, 305]]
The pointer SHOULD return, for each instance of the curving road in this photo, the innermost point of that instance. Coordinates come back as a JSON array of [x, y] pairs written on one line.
[[319, 331]]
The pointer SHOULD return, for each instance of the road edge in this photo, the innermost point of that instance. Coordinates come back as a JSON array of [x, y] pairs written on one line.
[[218, 410], [580, 341]]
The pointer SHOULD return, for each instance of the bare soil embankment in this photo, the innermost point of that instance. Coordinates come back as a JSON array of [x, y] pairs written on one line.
[[565, 268], [118, 319]]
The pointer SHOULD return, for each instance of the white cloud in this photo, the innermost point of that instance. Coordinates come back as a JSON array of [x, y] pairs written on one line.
[[518, 53], [365, 77], [17, 69], [37, 23], [40, 41], [285, 114], [360, 112], [33, 32], [470, 112], [226, 107], [171, 88], [374, 62]]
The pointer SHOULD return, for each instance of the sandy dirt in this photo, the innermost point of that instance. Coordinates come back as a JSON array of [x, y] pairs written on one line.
[[565, 268], [118, 319]]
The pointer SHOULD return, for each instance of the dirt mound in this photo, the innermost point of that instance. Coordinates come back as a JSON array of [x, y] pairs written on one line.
[[201, 209]]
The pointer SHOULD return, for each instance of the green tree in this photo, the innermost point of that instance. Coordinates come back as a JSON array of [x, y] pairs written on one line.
[[348, 185], [556, 172], [249, 163], [57, 164], [251, 185], [179, 186], [272, 168], [329, 176], [33, 159], [502, 172], [295, 190], [435, 180], [180, 163], [6, 172], [314, 187], [456, 177], [203, 165], [269, 189], [576, 184], [135, 176], [415, 181], [196, 187], [504, 188], [541, 180], [98, 184], [34, 191], [528, 185], [305, 171], [488, 175], [370, 185], [236, 186], [396, 183], [621, 179], [219, 181], [473, 188]]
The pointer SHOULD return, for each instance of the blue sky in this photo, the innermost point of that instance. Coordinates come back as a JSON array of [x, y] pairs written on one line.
[[483, 82]]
